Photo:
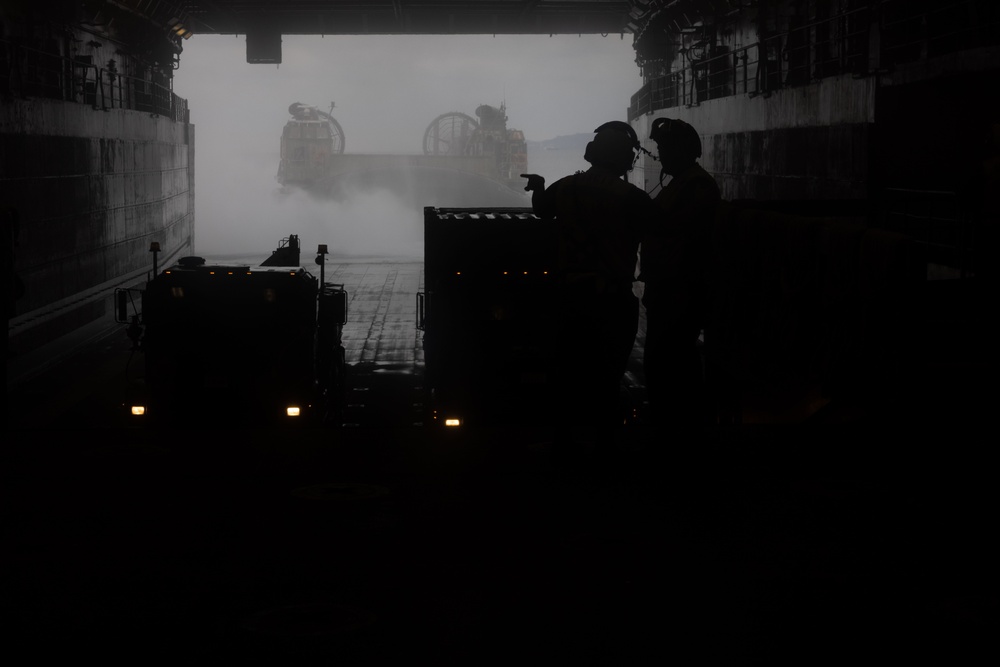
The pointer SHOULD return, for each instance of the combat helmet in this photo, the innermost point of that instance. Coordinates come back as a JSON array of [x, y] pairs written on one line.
[[677, 136], [613, 146]]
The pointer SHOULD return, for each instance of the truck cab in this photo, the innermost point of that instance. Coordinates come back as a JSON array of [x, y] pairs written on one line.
[[241, 344]]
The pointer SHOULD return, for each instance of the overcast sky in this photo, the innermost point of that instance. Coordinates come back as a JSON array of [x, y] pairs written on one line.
[[387, 90]]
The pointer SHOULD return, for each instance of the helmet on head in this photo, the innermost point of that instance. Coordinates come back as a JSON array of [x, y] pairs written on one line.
[[676, 136], [613, 147]]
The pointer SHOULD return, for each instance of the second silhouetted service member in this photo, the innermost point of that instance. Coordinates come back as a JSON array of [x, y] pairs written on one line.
[[674, 266]]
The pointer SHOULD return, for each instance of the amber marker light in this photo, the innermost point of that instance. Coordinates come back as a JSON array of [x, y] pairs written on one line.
[[452, 422], [292, 411], [138, 410]]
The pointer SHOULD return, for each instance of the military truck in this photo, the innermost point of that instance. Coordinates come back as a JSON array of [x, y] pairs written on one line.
[[487, 315], [235, 343]]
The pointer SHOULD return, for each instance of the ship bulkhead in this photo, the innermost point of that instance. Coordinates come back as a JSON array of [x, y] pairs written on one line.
[[97, 163], [852, 144]]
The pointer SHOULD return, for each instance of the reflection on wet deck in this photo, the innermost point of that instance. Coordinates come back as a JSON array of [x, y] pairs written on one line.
[[382, 312]]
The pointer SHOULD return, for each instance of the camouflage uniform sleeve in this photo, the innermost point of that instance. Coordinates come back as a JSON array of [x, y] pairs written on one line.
[[543, 202], [649, 219]]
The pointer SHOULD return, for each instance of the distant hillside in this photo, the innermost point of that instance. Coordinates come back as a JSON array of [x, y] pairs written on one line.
[[565, 142]]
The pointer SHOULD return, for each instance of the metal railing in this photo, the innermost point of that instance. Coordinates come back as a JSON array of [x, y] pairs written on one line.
[[909, 30], [805, 53], [913, 30], [26, 72]]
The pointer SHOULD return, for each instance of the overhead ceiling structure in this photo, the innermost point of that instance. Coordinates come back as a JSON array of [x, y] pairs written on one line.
[[264, 21], [424, 17]]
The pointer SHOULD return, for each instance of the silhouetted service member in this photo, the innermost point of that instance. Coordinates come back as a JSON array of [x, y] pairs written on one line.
[[674, 263], [601, 218]]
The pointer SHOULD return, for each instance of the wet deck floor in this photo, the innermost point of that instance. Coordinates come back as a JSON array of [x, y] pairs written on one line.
[[387, 542], [382, 322]]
